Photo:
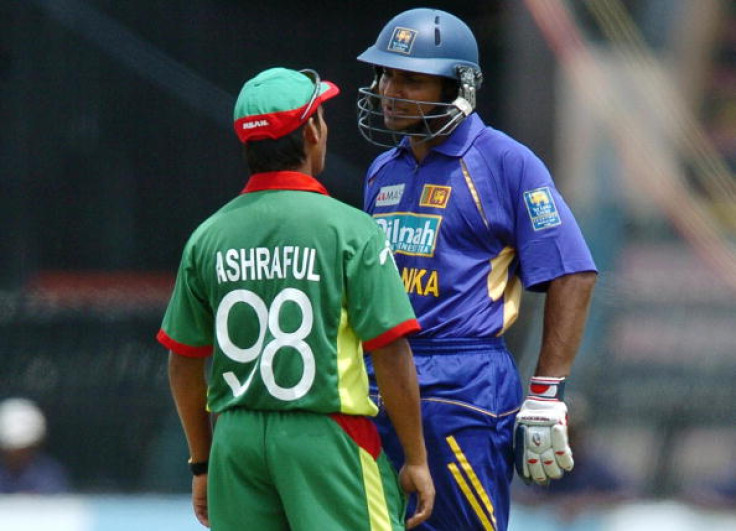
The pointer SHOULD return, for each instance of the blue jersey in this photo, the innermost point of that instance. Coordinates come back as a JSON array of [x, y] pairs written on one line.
[[471, 226], [478, 220]]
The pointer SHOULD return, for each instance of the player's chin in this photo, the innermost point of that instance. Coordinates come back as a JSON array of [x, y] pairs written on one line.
[[398, 124]]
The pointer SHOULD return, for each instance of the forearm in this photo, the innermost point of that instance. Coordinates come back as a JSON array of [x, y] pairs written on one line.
[[397, 381], [189, 390], [565, 313]]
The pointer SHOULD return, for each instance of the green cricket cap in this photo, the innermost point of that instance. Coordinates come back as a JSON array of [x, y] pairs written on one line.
[[277, 101]]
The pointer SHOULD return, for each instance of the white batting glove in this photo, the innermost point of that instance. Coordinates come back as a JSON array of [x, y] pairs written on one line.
[[541, 447]]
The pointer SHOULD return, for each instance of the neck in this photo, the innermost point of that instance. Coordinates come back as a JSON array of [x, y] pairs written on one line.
[[420, 148], [311, 163], [305, 167]]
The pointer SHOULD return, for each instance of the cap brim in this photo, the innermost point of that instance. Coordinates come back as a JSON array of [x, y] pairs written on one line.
[[328, 90]]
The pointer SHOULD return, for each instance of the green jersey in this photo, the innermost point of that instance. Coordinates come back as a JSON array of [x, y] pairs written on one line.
[[283, 286]]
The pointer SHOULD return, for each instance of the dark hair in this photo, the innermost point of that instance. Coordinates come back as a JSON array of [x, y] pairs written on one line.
[[285, 153]]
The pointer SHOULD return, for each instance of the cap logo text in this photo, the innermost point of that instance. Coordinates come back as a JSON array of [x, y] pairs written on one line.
[[255, 123]]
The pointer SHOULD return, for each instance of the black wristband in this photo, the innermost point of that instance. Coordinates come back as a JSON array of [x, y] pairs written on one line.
[[199, 468]]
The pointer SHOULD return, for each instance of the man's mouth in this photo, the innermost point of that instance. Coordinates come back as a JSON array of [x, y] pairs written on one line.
[[394, 112]]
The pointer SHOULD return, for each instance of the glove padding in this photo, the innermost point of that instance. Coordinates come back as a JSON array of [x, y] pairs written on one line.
[[541, 446]]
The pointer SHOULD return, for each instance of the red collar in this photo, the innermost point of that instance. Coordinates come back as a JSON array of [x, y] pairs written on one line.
[[283, 180]]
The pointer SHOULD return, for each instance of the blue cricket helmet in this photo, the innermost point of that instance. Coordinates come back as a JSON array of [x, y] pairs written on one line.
[[427, 41]]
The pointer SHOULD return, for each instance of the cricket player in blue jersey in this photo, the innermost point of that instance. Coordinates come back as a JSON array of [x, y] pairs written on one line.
[[474, 218]]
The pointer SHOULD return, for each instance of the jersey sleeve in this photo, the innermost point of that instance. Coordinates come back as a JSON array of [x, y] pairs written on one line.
[[378, 307], [547, 236], [187, 326]]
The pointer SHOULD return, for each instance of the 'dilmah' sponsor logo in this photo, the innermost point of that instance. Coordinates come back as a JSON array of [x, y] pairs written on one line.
[[409, 233]]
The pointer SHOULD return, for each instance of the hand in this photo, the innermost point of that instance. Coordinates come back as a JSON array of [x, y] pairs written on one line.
[[541, 445], [416, 478], [199, 499]]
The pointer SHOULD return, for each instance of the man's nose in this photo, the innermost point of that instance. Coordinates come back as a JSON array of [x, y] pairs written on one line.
[[392, 88]]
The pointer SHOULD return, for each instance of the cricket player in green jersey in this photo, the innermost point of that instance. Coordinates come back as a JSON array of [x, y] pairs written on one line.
[[276, 296]]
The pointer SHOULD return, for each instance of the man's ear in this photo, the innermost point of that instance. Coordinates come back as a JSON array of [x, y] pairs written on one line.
[[312, 131]]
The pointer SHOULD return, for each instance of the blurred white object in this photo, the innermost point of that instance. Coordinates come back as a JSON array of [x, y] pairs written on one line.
[[22, 424]]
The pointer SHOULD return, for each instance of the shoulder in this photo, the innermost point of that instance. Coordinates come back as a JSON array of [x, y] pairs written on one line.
[[507, 162], [207, 228], [380, 161], [347, 217], [354, 229], [202, 231], [497, 147]]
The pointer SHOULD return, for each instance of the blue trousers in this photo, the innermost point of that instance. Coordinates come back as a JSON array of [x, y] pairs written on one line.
[[470, 394]]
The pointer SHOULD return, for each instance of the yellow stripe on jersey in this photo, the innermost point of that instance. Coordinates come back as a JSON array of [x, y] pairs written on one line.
[[498, 277], [352, 379], [499, 285], [474, 482], [378, 513], [511, 303], [474, 193]]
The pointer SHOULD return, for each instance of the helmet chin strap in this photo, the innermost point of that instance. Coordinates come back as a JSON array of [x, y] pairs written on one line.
[[469, 81], [464, 106]]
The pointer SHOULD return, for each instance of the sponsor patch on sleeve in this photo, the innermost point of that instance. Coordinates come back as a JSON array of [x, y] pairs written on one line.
[[542, 209]]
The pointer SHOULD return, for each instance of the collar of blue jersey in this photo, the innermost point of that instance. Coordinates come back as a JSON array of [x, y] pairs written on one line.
[[283, 180], [458, 142]]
